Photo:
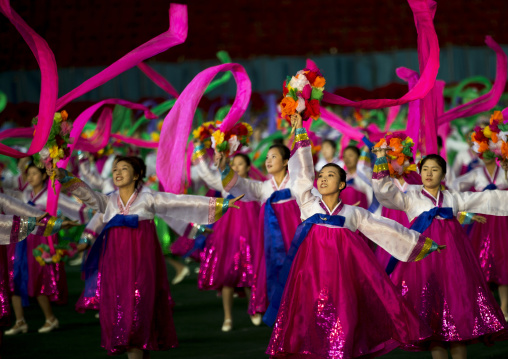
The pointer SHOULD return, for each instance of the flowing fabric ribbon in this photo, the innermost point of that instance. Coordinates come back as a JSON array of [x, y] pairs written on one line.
[[420, 224], [428, 43], [490, 99], [301, 233], [91, 267], [20, 272], [275, 252], [177, 124], [158, 79], [101, 134], [340, 125]]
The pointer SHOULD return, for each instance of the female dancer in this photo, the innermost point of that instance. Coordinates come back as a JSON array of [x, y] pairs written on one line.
[[135, 303], [448, 291], [48, 283], [278, 220], [489, 240], [227, 262], [358, 172], [337, 301]]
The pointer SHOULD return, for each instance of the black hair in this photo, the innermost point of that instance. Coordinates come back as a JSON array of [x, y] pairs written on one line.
[[138, 165], [439, 160], [439, 141], [331, 143], [32, 164], [354, 149], [342, 173], [283, 150], [245, 158]]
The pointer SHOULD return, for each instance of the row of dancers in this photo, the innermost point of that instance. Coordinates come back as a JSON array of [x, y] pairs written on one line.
[[310, 253]]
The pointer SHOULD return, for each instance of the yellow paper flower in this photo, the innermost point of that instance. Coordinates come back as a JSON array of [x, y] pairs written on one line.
[[155, 136], [58, 117], [54, 152], [249, 128], [487, 132], [218, 137]]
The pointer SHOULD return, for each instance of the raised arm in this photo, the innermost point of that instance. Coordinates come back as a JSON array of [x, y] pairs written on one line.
[[81, 190], [385, 191], [403, 243], [301, 169], [13, 206], [212, 178], [94, 180]]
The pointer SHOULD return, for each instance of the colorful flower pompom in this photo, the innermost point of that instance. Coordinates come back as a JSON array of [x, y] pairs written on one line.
[[204, 133], [62, 252], [302, 94], [491, 141], [400, 157], [57, 147], [233, 140]]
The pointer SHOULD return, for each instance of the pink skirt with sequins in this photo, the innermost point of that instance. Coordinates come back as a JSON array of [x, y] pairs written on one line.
[[49, 280], [491, 247], [135, 302], [339, 303], [288, 215], [449, 292], [5, 308], [227, 258]]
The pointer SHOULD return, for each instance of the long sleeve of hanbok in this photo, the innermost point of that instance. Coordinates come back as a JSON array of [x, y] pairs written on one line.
[[236, 185], [13, 193], [492, 202], [386, 192], [76, 211], [81, 190], [301, 168], [403, 243], [184, 228], [195, 209], [93, 229]]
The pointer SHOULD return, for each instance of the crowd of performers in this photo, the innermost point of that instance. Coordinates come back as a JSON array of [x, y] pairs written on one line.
[[342, 259]]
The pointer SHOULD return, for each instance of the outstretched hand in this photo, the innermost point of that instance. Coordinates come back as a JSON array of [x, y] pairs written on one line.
[[232, 201], [381, 152], [479, 219], [69, 224], [57, 171], [441, 247]]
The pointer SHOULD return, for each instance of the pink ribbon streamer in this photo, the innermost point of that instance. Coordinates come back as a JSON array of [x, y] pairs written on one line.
[[101, 135], [392, 116], [427, 37], [340, 125], [176, 35], [177, 124], [490, 99], [49, 82], [413, 115], [136, 141], [158, 79]]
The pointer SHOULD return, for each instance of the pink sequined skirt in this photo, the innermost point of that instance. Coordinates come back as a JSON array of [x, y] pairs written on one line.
[[288, 215], [339, 303], [448, 290], [5, 308], [352, 196], [383, 256], [491, 247], [227, 258], [90, 303], [49, 280], [135, 302]]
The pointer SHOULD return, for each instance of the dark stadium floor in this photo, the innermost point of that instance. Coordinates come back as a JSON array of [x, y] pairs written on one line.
[[198, 318]]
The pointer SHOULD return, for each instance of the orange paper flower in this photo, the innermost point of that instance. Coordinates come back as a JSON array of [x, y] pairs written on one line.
[[319, 82], [288, 106]]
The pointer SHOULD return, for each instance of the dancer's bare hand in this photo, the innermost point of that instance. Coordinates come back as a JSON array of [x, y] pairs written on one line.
[[479, 219], [232, 201], [220, 160]]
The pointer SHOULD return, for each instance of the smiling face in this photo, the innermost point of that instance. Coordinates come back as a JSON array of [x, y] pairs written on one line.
[[239, 165], [350, 158], [274, 162], [329, 181], [432, 174], [34, 177], [123, 174]]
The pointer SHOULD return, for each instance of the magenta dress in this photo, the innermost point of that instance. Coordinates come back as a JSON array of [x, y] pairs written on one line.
[[383, 256], [339, 303], [459, 306], [352, 196], [5, 308], [135, 301], [229, 251], [288, 215]]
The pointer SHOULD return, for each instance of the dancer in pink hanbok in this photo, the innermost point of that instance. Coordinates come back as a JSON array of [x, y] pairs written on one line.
[[489, 240], [278, 220], [448, 291], [334, 300], [135, 303], [229, 252]]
